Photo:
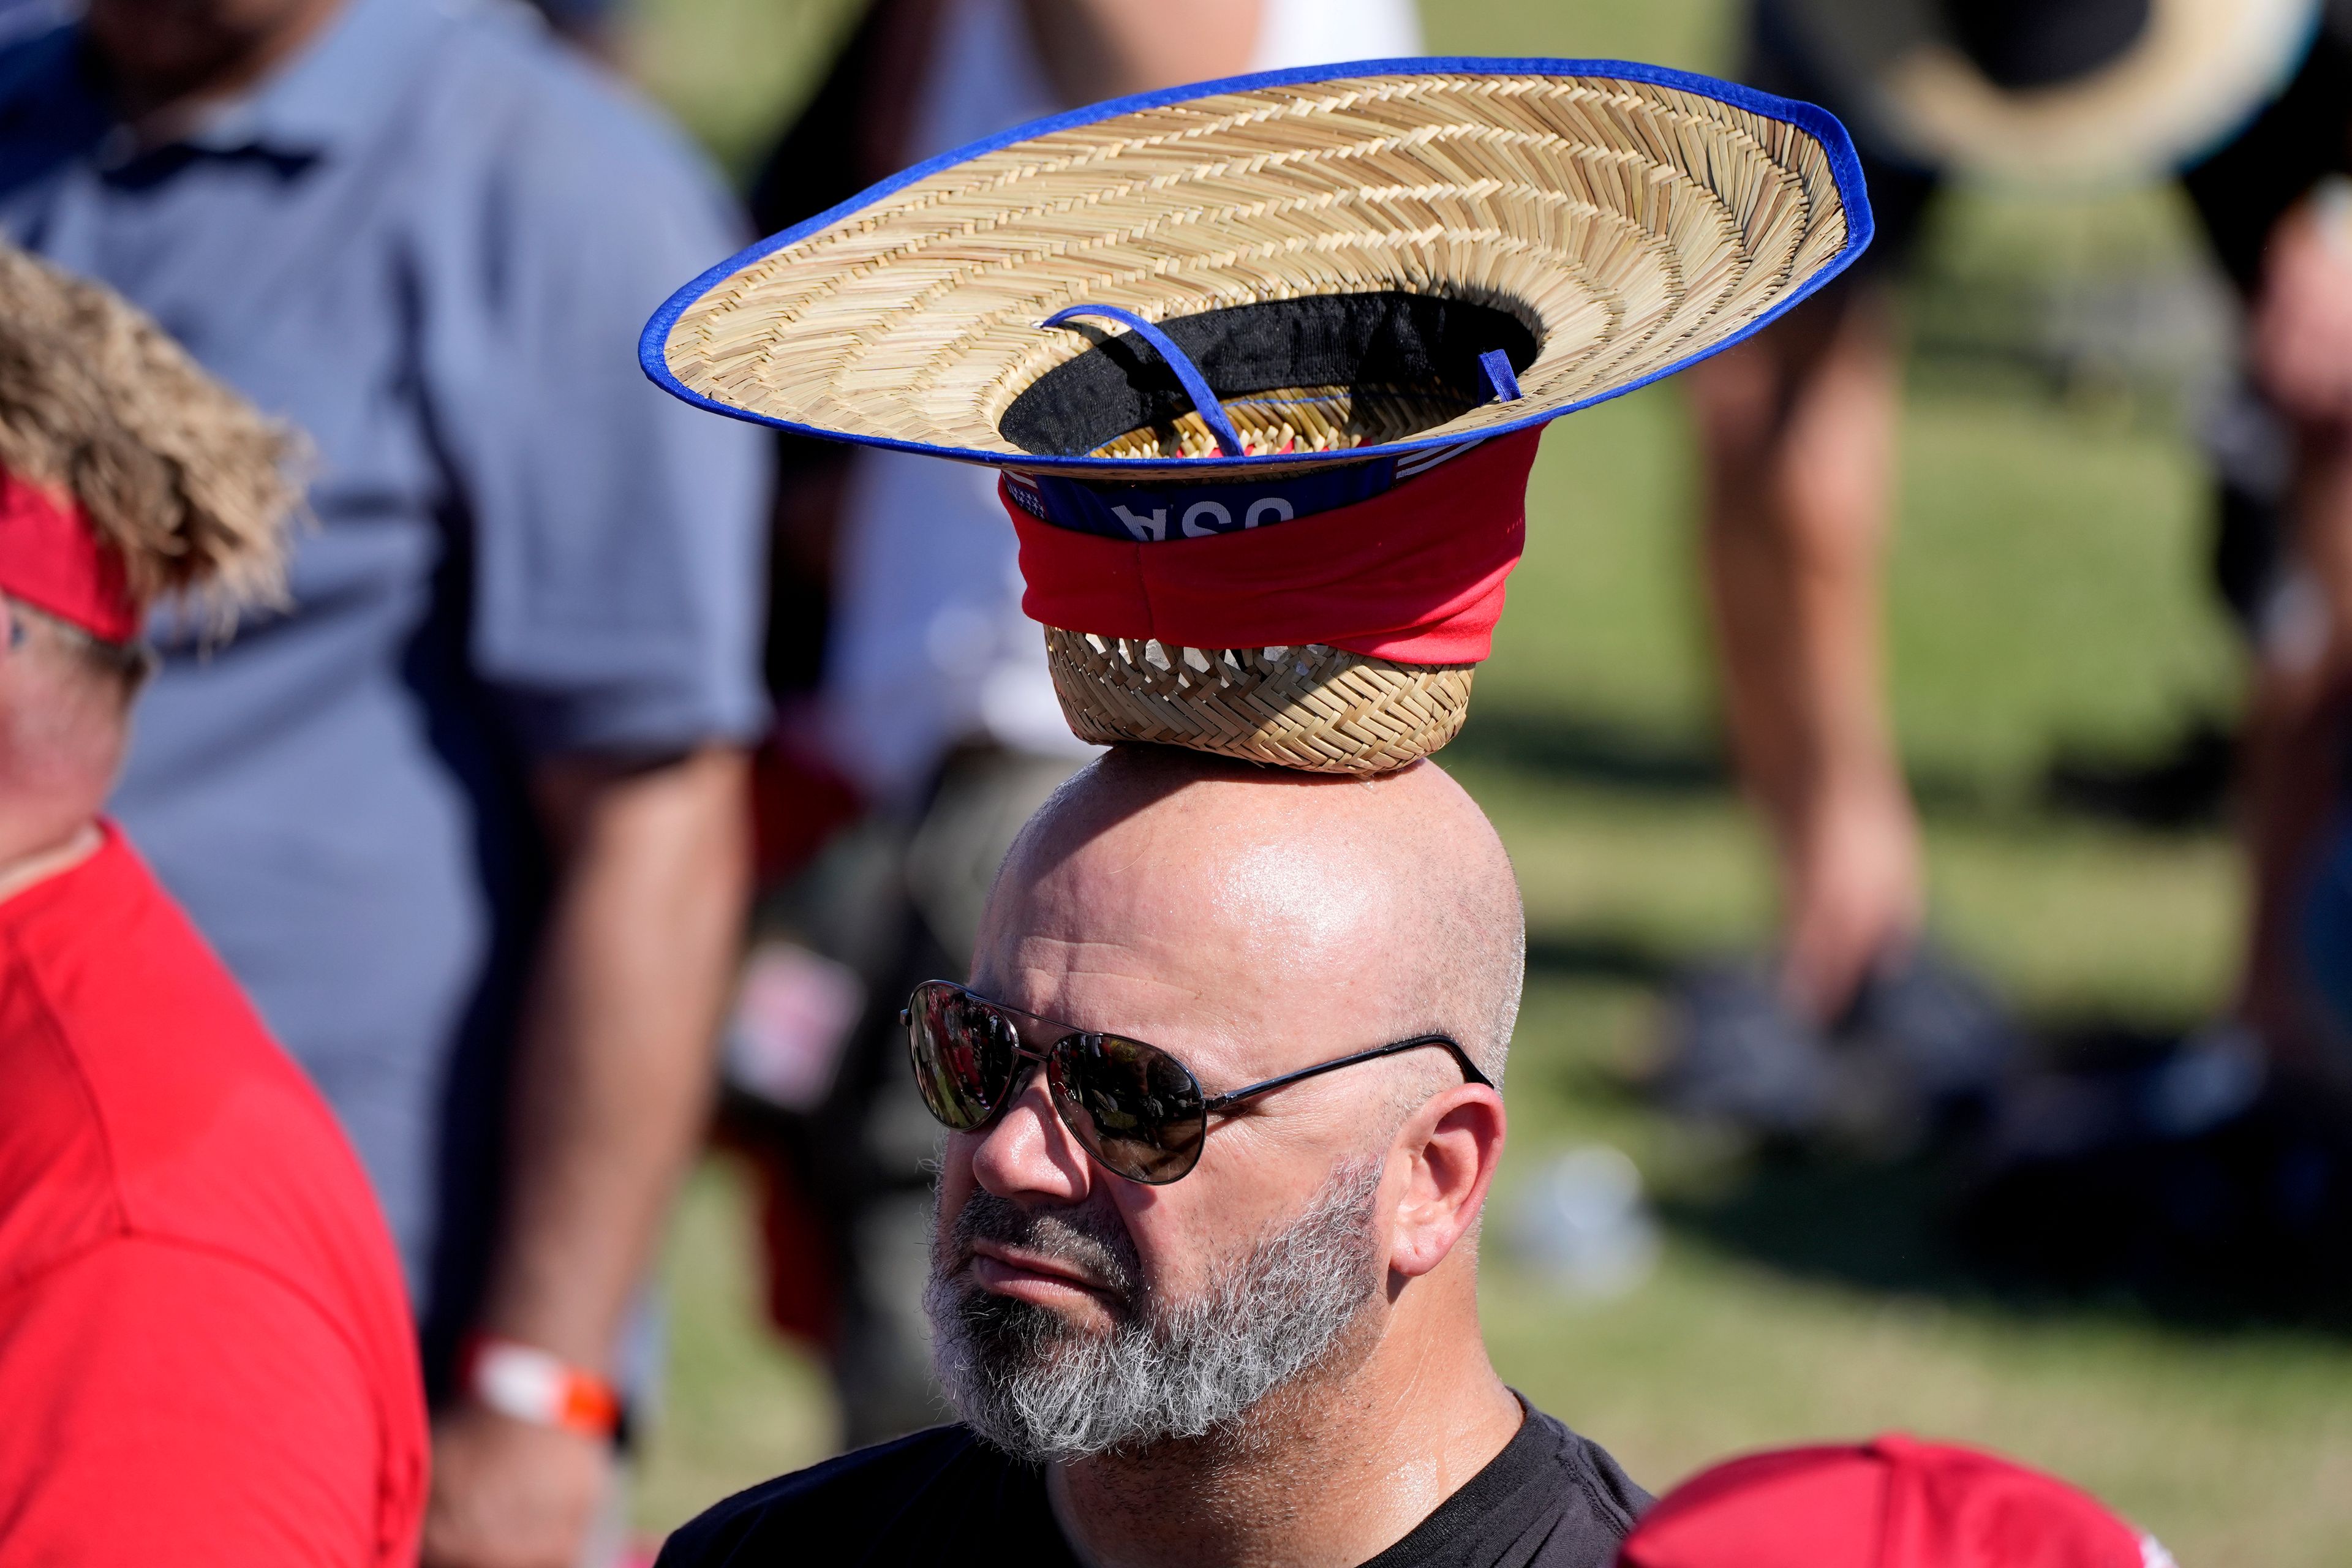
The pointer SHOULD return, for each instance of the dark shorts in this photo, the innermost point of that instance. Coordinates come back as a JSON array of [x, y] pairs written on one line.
[[2240, 190]]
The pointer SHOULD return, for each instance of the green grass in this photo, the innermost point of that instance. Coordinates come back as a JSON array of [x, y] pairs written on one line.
[[2047, 598], [738, 1404]]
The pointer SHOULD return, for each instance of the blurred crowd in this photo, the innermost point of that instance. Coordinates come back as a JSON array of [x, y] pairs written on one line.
[[2224, 1154], [599, 757]]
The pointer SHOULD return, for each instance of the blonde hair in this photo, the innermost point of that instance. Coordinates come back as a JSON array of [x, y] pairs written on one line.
[[194, 486]]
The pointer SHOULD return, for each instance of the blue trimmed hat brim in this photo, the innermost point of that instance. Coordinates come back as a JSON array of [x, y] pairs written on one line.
[[1815, 122]]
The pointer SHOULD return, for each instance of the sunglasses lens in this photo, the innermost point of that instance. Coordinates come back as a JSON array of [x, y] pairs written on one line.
[[964, 1052], [1136, 1109]]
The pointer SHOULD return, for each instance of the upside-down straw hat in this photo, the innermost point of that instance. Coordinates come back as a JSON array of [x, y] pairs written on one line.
[[1264, 360], [2052, 92]]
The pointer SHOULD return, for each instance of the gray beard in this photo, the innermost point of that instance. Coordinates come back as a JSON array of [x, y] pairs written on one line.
[[1039, 1389]]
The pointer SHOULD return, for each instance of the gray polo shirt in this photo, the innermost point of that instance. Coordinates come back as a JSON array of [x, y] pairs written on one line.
[[429, 241]]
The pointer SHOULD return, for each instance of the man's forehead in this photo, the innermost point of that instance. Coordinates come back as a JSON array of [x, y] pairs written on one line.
[[1257, 901], [1148, 989], [1239, 969], [1199, 907], [1268, 879]]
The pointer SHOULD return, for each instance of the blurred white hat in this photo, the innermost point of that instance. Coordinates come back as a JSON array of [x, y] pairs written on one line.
[[2053, 92]]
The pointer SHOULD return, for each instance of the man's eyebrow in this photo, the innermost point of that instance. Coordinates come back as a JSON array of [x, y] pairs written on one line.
[[1221, 1033], [1083, 944]]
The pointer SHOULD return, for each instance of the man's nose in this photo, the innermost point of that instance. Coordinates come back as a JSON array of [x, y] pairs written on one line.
[[1027, 1152]]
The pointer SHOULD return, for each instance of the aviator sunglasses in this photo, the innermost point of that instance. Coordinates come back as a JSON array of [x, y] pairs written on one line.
[[1135, 1108]]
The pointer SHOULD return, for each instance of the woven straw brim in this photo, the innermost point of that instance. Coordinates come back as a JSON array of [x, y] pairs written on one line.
[[1314, 709], [1628, 225]]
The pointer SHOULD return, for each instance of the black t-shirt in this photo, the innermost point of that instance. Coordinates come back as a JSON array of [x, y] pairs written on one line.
[[1549, 1499]]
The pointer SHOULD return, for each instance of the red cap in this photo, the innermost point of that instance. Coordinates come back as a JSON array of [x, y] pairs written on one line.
[[52, 559], [1891, 1502]]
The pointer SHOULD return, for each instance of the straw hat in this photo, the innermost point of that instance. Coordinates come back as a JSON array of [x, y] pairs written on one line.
[[2053, 92], [1313, 298]]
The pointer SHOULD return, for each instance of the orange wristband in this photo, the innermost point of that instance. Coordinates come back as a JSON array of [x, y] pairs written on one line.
[[529, 1385]]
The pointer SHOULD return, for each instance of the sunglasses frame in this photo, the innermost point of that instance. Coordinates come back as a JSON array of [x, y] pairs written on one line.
[[1211, 1105]]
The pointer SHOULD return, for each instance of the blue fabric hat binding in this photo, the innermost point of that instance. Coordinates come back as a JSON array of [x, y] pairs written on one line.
[[1819, 123]]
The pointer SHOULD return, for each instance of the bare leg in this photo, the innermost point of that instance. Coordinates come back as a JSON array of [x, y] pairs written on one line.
[[2292, 769], [1797, 426], [2300, 345]]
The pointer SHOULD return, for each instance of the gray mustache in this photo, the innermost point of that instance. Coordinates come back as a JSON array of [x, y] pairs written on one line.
[[1090, 1241], [1170, 1366]]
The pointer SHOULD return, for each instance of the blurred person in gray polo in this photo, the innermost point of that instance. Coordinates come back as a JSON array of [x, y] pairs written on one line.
[[466, 817]]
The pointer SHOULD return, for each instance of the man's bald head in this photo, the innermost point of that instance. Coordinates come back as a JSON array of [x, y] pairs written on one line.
[[1388, 899]]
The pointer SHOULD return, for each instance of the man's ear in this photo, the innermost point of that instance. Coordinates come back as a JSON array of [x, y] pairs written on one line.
[[1452, 1145]]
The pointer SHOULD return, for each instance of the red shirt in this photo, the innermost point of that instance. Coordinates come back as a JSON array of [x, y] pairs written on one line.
[[206, 1352]]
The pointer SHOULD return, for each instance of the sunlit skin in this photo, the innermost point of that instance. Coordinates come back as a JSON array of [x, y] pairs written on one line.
[[1253, 924], [1799, 428], [2300, 349], [62, 732]]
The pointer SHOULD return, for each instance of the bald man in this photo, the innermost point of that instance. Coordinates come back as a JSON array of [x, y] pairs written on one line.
[[1213, 1299]]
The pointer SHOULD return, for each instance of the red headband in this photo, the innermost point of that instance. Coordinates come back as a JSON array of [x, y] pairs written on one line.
[[1893, 1502], [1415, 574], [53, 560]]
